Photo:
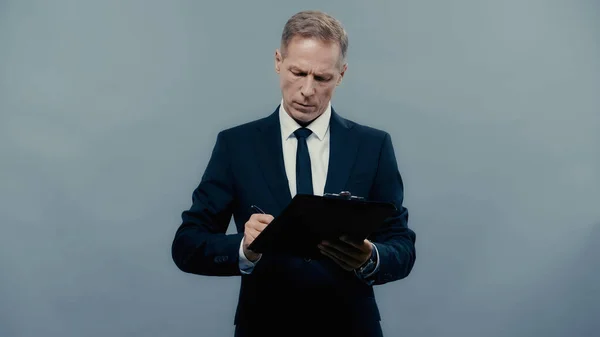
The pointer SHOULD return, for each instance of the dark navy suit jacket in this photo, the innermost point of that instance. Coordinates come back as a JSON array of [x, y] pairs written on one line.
[[246, 167]]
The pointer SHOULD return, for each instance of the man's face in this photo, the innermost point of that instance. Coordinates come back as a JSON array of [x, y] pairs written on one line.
[[308, 76]]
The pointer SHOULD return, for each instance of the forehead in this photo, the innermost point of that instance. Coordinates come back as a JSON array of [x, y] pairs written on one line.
[[313, 54]]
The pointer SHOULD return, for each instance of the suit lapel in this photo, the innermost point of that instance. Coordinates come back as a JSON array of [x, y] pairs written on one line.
[[343, 148], [270, 158]]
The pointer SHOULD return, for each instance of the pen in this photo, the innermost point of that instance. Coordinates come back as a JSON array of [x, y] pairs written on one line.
[[257, 209]]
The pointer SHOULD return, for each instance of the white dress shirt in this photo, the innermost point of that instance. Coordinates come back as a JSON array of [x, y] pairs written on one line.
[[318, 150]]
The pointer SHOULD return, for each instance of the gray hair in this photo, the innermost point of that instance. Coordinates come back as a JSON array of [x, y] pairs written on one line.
[[315, 24]]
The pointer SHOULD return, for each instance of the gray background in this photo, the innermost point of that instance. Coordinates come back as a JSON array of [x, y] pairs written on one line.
[[109, 110]]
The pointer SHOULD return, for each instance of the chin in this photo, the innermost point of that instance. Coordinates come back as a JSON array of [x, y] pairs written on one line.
[[304, 116]]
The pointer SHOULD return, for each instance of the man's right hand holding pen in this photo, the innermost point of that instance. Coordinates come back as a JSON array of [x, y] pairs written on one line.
[[254, 226]]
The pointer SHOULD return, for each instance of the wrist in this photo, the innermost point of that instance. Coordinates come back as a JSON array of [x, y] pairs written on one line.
[[370, 263]]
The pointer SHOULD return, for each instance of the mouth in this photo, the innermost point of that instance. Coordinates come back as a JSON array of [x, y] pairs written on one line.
[[305, 106]]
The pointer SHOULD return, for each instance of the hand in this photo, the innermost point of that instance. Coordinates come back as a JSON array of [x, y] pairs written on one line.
[[254, 226], [347, 254]]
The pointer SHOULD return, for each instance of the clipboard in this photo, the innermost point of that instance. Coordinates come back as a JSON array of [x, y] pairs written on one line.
[[309, 219]]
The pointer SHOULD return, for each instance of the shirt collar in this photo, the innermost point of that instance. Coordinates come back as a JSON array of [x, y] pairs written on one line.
[[319, 126]]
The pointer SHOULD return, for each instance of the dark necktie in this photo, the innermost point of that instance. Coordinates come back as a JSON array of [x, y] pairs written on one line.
[[303, 171]]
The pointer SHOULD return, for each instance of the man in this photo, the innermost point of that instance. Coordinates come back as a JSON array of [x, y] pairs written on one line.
[[305, 147]]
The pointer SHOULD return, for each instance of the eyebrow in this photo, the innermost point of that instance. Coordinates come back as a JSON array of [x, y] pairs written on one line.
[[295, 68]]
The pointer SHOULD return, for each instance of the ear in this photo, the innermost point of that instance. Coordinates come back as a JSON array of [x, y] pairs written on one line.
[[342, 73], [278, 61]]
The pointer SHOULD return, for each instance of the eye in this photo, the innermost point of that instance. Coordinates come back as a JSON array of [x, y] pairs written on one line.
[[322, 79], [298, 73]]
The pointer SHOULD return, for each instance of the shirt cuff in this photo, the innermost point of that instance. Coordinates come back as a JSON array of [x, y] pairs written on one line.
[[246, 266]]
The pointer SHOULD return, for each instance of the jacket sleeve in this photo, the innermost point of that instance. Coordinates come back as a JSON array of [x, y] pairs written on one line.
[[200, 245], [395, 241]]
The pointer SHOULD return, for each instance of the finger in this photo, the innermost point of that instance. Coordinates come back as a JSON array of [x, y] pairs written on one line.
[[344, 248], [356, 244], [263, 218], [255, 224], [339, 262], [259, 226], [250, 235], [253, 233], [348, 259]]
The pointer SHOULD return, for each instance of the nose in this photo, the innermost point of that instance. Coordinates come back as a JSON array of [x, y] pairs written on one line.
[[308, 87]]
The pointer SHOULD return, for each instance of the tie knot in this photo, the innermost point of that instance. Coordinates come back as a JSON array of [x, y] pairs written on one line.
[[302, 133]]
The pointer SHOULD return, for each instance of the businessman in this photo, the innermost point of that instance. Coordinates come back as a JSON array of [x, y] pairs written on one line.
[[303, 147]]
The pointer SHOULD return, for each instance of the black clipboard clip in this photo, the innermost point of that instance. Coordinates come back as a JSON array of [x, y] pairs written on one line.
[[346, 195]]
